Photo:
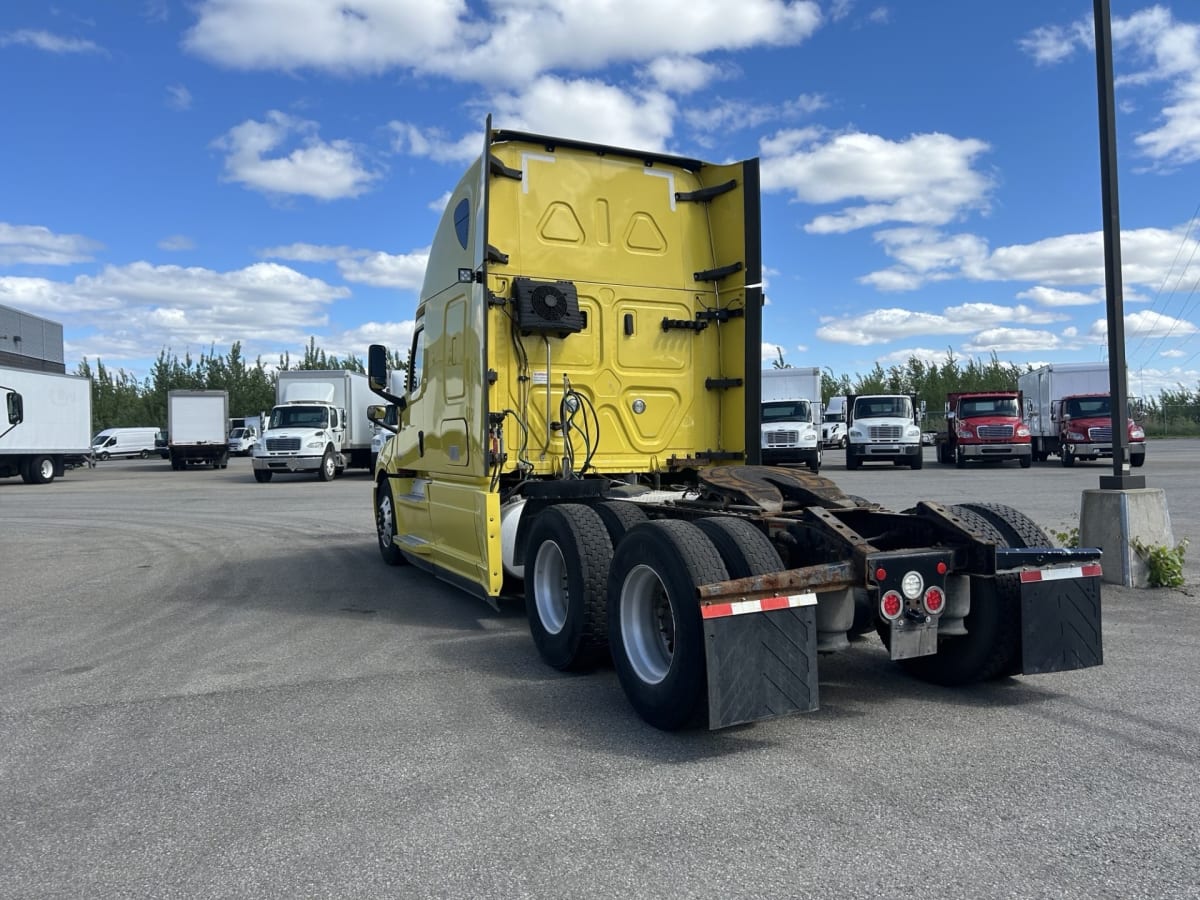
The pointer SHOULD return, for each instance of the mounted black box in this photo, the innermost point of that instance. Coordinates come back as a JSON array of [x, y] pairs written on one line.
[[547, 307]]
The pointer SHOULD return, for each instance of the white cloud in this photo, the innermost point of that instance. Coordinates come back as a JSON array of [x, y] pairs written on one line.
[[682, 74], [771, 353], [134, 311], [369, 36], [178, 97], [405, 271], [374, 267], [177, 242], [1172, 354], [925, 179], [1149, 256], [738, 114], [393, 335], [316, 168], [1047, 296], [882, 326], [924, 354], [434, 143], [37, 245], [511, 42], [588, 110], [1008, 340], [1147, 324], [48, 42], [1168, 50]]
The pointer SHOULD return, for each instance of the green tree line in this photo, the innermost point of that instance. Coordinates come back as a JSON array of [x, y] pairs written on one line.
[[120, 400]]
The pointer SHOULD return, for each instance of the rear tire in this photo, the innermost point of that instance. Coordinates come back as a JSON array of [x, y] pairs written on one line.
[[262, 476], [103, 457], [567, 558], [618, 517], [385, 526], [744, 549], [145, 454], [993, 639], [654, 625]]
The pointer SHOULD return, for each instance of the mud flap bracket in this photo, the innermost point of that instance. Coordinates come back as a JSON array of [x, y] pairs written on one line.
[[762, 658], [1060, 620]]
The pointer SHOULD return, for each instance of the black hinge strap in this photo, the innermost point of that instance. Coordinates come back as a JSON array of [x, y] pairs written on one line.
[[705, 194], [495, 167], [718, 274], [721, 384]]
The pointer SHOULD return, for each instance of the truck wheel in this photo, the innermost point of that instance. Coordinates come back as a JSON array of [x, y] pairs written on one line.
[[145, 454], [815, 465], [41, 470], [918, 461], [960, 459], [568, 554], [103, 457], [1067, 457], [385, 527], [744, 549], [328, 467], [1018, 529], [654, 625], [845, 441], [989, 648], [1137, 460], [852, 461], [262, 476], [618, 517], [1026, 461]]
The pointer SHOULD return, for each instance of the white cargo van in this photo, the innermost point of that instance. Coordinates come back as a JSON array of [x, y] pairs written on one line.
[[113, 443]]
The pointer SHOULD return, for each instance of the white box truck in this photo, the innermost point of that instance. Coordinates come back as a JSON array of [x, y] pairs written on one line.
[[1070, 414], [833, 423], [196, 422], [319, 424], [791, 416], [45, 423]]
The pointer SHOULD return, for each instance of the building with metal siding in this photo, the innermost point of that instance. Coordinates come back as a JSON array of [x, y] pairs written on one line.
[[30, 342]]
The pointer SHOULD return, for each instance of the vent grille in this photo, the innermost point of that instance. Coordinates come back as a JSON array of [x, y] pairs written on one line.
[[885, 432], [275, 444], [994, 432], [1102, 435], [782, 438]]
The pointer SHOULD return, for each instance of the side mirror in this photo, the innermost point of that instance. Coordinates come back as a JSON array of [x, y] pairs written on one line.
[[376, 413], [16, 409], [377, 367]]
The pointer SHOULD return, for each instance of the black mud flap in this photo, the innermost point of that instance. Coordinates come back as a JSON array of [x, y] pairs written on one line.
[[762, 659], [1060, 619]]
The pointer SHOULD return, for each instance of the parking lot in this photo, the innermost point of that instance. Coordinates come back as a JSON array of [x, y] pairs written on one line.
[[212, 687]]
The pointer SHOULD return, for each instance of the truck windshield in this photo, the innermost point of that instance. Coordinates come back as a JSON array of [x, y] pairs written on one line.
[[1081, 407], [237, 433], [300, 417], [789, 410], [883, 408], [834, 417], [988, 406]]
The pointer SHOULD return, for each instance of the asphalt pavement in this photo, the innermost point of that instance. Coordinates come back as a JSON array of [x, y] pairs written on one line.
[[214, 688]]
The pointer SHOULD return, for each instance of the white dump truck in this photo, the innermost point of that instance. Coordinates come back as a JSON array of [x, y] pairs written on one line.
[[791, 416], [319, 424], [45, 423], [196, 423]]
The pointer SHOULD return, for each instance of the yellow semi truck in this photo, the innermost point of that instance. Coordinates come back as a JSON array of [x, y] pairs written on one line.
[[580, 425]]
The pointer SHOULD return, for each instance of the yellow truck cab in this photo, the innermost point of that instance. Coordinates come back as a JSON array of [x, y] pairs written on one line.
[[580, 425]]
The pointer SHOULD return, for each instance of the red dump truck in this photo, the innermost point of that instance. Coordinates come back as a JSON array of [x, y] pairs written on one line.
[[984, 426]]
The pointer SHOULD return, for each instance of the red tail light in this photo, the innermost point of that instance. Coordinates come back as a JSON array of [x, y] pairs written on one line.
[[891, 605], [935, 600]]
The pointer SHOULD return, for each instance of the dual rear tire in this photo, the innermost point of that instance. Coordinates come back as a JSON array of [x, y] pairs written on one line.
[[586, 601]]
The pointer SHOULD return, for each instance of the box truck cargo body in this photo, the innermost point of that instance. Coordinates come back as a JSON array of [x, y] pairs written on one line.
[[45, 423], [196, 422]]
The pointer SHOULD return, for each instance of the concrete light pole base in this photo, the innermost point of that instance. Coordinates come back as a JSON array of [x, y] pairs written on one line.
[[1112, 520]]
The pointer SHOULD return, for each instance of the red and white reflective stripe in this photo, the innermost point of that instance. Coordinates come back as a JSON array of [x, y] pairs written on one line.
[[719, 610], [1091, 570]]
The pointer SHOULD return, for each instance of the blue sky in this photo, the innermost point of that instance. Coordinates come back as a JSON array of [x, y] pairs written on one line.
[[185, 175]]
